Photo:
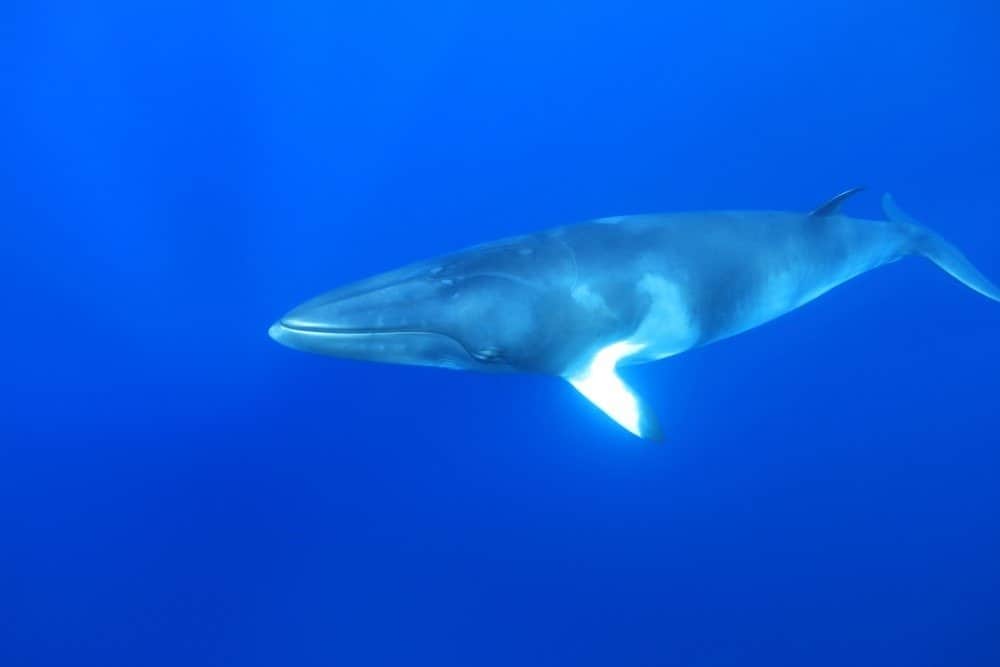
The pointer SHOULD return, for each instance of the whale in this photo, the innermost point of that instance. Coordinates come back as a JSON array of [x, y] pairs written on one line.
[[581, 301]]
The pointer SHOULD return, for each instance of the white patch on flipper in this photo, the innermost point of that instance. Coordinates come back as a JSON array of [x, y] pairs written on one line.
[[667, 329], [600, 384]]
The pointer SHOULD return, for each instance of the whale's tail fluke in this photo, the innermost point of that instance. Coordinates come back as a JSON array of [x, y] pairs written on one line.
[[949, 258]]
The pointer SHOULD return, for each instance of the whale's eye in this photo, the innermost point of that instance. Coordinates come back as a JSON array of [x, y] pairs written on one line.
[[488, 354]]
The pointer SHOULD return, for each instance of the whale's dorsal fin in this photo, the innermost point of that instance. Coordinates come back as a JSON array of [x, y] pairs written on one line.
[[599, 382], [830, 206]]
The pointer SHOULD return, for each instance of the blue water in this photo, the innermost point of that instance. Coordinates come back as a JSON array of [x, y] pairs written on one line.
[[177, 489]]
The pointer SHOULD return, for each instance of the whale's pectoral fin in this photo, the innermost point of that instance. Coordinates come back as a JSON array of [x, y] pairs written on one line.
[[600, 384], [617, 400], [830, 206]]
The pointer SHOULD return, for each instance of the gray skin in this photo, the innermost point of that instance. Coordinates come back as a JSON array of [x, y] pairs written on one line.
[[642, 287]]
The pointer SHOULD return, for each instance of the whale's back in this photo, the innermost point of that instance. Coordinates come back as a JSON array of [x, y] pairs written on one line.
[[733, 269]]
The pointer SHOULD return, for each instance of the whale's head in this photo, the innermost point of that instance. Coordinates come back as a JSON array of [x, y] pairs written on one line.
[[489, 308]]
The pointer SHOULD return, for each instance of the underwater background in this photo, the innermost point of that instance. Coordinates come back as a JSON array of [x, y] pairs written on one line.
[[177, 489]]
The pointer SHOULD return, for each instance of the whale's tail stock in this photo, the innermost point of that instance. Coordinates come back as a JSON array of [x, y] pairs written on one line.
[[932, 246]]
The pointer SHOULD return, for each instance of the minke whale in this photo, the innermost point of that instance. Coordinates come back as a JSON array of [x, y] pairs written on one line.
[[580, 301]]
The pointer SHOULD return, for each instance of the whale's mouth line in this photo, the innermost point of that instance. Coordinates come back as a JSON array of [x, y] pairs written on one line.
[[333, 331], [319, 330]]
